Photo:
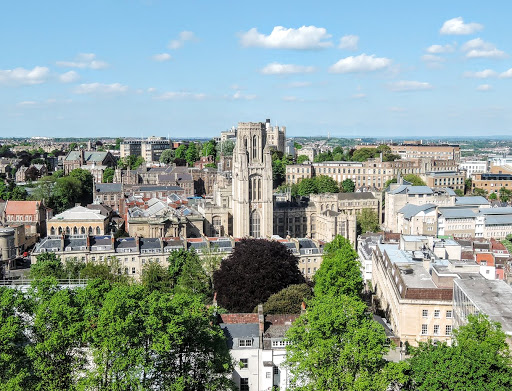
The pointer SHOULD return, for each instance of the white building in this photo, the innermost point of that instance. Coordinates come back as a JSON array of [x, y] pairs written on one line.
[[474, 167]]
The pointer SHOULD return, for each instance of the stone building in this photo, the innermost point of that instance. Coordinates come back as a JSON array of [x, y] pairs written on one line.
[[32, 214], [32, 173], [79, 221], [88, 160], [418, 150]]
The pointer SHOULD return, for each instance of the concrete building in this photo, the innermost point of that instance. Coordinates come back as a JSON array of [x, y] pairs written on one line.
[[452, 179], [472, 167], [7, 248], [150, 149], [492, 183]]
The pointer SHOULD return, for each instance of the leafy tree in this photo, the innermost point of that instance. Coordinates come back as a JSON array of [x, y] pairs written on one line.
[[18, 194], [108, 175], [459, 192], [181, 151], [323, 157], [479, 192], [167, 156], [287, 300], [187, 274], [130, 162], [348, 186], [326, 184], [47, 265], [340, 272], [66, 192], [226, 148], [302, 158], [15, 367], [209, 148], [296, 145], [109, 270], [118, 143], [44, 189], [336, 345], [493, 196], [279, 163], [86, 184], [192, 153], [468, 184], [368, 221], [306, 187], [55, 332], [363, 154], [156, 277], [73, 146], [414, 179], [389, 182], [391, 157], [255, 270], [479, 359], [505, 194]]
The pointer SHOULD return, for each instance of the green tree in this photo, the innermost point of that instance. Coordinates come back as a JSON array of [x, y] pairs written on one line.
[[335, 345], [47, 265], [279, 163], [287, 300], [44, 190], [479, 192], [209, 148], [187, 274], [181, 152], [348, 186], [505, 194], [326, 184], [368, 221], [459, 192], [118, 143], [296, 145], [73, 146], [363, 154], [306, 187], [468, 184], [108, 175], [15, 367], [18, 194], [414, 179], [167, 156], [192, 153], [479, 359], [156, 277], [302, 158], [226, 148], [66, 192], [493, 196], [86, 183], [389, 182], [323, 157], [340, 271]]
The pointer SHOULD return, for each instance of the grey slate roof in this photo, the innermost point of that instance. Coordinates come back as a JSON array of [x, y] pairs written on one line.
[[471, 200], [89, 156], [458, 213], [410, 210], [356, 196], [498, 220], [109, 187], [407, 189], [496, 211]]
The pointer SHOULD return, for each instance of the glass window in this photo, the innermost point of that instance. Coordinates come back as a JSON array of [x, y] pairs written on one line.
[[448, 330], [448, 314], [244, 363], [244, 384], [424, 329], [436, 329], [245, 342], [437, 313], [424, 313]]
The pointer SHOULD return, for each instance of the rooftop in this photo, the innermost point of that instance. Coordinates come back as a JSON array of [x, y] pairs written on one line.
[[79, 213]]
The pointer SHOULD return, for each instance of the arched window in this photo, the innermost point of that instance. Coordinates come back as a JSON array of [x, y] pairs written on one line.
[[52, 231], [254, 228], [254, 147], [90, 231], [82, 230], [98, 230], [68, 231], [60, 230], [75, 231]]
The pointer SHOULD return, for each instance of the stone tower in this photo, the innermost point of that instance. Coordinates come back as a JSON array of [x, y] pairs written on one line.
[[252, 182]]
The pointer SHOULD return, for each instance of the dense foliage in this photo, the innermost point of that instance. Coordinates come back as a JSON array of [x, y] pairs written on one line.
[[255, 270], [288, 300], [367, 221]]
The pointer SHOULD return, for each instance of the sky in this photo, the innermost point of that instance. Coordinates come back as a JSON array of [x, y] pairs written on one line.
[[138, 68]]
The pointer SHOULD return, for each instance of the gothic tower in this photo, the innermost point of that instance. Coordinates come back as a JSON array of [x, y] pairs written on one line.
[[252, 182]]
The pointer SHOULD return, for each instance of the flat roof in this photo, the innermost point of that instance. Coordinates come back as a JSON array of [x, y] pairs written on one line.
[[415, 276]]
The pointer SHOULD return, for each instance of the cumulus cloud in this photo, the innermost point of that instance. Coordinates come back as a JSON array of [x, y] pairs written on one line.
[[484, 87], [177, 95], [486, 73], [456, 26], [100, 88], [184, 36], [349, 42], [305, 37], [83, 61], [507, 74], [478, 48], [409, 85], [238, 95], [162, 57], [69, 77], [285, 69], [439, 49], [22, 76], [361, 63]]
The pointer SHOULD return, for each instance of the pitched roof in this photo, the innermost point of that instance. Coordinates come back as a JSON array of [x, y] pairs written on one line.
[[89, 156], [410, 210], [79, 213], [457, 213], [356, 196], [471, 200], [22, 207]]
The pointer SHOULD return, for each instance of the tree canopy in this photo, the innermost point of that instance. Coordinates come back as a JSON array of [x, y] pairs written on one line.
[[167, 156], [367, 221], [348, 186], [255, 270], [287, 300]]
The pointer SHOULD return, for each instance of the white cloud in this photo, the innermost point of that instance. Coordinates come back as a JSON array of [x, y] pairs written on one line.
[[69, 77], [432, 58], [478, 48], [438, 49], [184, 36], [305, 37], [456, 26], [151, 90], [82, 61], [286, 69], [349, 42], [361, 63], [506, 74], [176, 95], [409, 85], [162, 57], [486, 73], [298, 84], [359, 95], [484, 87], [22, 76], [99, 88], [240, 96]]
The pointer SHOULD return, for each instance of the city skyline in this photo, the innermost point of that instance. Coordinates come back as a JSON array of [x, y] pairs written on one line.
[[191, 70]]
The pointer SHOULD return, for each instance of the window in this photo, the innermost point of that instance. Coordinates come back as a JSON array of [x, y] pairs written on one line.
[[437, 313], [424, 329], [276, 370], [424, 313], [244, 363], [436, 329], [448, 314], [448, 330], [133, 270], [267, 375], [255, 224], [244, 384], [245, 342]]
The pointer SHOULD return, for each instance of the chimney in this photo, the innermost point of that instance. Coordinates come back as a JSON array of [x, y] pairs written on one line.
[[261, 323], [112, 240], [62, 242], [302, 308]]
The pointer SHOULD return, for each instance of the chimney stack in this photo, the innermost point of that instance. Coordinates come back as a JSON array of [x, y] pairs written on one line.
[[261, 323]]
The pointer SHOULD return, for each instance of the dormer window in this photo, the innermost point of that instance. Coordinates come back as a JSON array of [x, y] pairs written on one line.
[[245, 343]]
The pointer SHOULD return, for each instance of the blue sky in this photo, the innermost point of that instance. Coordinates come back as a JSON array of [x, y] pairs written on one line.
[[191, 69]]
